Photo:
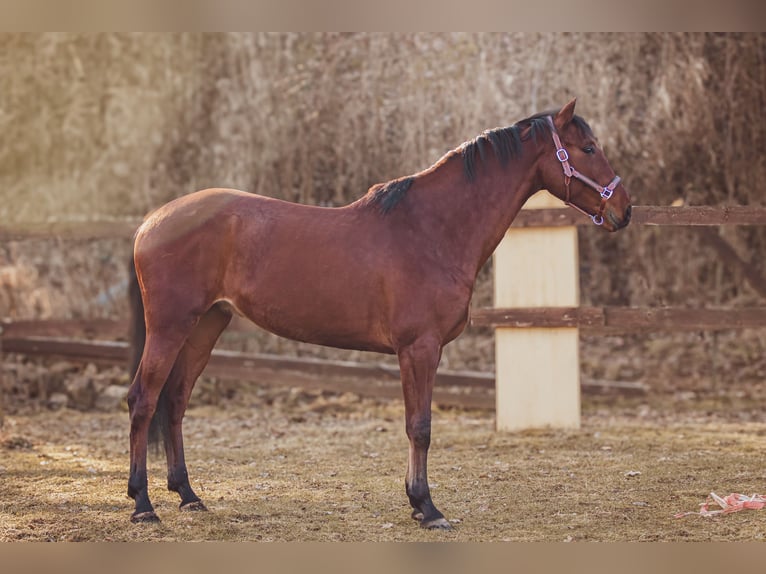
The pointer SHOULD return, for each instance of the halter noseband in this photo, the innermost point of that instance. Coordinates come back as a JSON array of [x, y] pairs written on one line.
[[570, 172]]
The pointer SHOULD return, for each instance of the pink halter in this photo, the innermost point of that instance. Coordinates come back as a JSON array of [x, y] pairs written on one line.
[[570, 172]]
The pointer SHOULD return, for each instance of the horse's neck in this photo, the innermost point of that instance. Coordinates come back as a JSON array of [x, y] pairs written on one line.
[[472, 218]]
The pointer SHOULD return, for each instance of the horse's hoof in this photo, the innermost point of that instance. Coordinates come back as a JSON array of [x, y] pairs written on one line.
[[436, 524], [139, 517], [194, 506]]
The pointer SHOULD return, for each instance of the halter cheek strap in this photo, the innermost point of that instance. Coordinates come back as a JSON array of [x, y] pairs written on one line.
[[570, 172]]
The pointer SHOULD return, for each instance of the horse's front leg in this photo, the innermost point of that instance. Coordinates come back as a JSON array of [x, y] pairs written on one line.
[[418, 363]]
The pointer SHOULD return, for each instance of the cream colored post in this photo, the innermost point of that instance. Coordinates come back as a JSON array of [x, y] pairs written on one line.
[[537, 369]]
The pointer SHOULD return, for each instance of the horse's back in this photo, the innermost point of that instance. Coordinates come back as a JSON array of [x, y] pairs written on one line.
[[214, 220], [290, 268], [189, 214]]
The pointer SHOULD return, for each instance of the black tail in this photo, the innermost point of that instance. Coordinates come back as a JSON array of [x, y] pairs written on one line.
[[137, 325], [158, 428]]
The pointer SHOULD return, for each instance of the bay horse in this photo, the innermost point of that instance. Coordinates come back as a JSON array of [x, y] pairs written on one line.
[[392, 272]]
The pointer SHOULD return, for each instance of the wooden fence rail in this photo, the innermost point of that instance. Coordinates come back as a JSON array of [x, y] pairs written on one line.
[[620, 320], [650, 215], [454, 388], [642, 215], [95, 340]]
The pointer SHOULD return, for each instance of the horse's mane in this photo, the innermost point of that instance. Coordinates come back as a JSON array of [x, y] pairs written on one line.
[[505, 143], [388, 195]]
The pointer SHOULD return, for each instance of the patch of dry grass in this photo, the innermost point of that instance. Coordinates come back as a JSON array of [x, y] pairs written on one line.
[[330, 468]]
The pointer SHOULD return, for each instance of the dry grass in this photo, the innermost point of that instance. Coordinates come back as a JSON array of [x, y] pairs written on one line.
[[330, 468]]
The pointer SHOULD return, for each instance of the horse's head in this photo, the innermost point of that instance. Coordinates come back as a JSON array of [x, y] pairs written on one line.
[[576, 171]]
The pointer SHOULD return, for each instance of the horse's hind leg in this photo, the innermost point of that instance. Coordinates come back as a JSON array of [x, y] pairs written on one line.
[[418, 363], [159, 354], [190, 363]]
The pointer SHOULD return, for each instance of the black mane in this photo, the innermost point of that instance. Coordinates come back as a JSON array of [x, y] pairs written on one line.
[[388, 195], [505, 143]]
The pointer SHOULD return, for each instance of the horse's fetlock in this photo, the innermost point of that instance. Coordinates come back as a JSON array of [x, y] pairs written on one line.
[[135, 486], [177, 479]]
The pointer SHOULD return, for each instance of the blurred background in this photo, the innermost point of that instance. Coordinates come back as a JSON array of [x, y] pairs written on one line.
[[106, 127]]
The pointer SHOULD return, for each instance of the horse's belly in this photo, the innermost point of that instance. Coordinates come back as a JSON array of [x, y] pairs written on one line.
[[340, 324]]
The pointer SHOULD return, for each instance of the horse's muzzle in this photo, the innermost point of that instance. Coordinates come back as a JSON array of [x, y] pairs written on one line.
[[617, 222]]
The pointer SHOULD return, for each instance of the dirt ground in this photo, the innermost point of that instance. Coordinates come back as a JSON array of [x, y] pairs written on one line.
[[289, 465]]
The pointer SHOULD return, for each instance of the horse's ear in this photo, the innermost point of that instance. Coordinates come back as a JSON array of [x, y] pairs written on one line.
[[565, 115]]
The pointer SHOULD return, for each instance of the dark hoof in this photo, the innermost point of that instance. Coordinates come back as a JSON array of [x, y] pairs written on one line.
[[194, 506], [139, 517], [436, 524]]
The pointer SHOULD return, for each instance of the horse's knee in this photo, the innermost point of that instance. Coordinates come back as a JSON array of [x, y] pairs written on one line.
[[178, 477]]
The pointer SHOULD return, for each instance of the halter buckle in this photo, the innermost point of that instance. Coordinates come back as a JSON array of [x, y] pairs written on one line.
[[606, 193], [562, 155]]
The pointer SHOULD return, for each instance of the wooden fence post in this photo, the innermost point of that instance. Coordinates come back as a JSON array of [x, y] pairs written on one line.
[[537, 369]]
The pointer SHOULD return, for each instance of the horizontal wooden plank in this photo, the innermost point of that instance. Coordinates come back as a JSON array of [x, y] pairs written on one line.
[[107, 329], [104, 229], [699, 215], [223, 361], [651, 215], [464, 389], [108, 351], [342, 376], [542, 317], [616, 320]]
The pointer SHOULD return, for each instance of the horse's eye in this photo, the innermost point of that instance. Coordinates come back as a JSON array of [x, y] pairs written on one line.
[[589, 149]]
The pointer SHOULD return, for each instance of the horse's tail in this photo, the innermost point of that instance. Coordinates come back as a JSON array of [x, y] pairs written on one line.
[[137, 324], [158, 428]]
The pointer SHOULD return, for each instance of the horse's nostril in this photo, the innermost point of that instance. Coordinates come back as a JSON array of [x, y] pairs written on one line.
[[628, 211]]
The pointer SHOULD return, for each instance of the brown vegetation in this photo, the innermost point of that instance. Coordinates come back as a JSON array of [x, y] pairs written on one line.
[[102, 126]]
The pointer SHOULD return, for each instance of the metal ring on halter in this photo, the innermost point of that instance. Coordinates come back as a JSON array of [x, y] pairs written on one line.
[[597, 219], [562, 155]]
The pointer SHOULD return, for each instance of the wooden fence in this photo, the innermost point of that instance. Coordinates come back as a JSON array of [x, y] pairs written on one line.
[[101, 341], [537, 319], [517, 327]]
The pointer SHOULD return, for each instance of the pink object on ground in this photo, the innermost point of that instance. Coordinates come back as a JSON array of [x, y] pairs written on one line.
[[732, 503]]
